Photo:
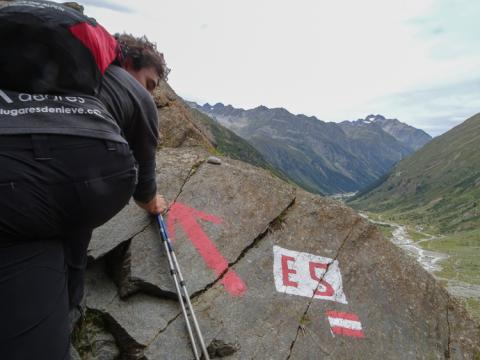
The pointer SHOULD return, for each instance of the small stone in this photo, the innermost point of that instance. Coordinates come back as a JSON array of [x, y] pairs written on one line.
[[214, 160]]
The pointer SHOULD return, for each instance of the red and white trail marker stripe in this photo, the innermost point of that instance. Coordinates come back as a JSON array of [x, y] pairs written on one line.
[[345, 324]]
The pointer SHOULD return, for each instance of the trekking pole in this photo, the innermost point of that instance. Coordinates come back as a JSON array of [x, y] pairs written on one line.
[[175, 270]]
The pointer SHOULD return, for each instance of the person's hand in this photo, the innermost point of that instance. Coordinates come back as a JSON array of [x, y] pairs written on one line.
[[155, 206]]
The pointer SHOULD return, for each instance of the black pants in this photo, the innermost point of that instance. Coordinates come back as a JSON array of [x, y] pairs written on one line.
[[54, 190]]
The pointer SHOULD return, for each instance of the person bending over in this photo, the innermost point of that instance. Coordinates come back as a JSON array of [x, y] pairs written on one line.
[[69, 164], [126, 92]]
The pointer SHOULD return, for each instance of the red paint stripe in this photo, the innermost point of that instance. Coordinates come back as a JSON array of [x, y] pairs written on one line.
[[233, 284], [204, 246], [187, 217], [348, 332], [342, 315]]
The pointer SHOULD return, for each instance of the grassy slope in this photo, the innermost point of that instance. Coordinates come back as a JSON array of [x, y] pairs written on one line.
[[464, 251], [438, 186]]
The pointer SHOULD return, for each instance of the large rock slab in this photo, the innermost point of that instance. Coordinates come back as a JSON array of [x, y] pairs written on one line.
[[127, 223], [213, 221], [173, 168], [383, 304], [404, 312], [263, 322], [134, 322], [141, 265]]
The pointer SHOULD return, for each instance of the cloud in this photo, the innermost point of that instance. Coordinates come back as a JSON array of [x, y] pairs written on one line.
[[436, 110], [106, 4], [409, 59], [451, 28]]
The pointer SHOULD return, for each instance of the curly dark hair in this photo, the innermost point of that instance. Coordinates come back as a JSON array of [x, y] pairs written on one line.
[[142, 53]]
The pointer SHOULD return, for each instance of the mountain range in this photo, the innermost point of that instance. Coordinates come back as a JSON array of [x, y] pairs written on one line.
[[406, 134], [322, 157]]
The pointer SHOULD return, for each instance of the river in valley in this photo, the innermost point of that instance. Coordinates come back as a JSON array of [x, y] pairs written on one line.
[[430, 260]]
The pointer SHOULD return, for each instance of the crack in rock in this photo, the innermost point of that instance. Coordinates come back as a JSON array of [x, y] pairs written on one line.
[[310, 302], [163, 330], [272, 226], [315, 341], [448, 350], [91, 259], [119, 267], [150, 289], [192, 172], [130, 349]]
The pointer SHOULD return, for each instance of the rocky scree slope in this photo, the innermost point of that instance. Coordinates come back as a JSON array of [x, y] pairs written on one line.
[[274, 272], [319, 156]]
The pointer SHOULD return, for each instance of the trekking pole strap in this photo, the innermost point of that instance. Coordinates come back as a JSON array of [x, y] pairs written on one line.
[[164, 232]]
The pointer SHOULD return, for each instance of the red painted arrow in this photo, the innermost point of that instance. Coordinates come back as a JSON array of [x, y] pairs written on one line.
[[187, 217]]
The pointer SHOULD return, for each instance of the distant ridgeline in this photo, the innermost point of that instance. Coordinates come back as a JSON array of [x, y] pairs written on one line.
[[322, 157], [438, 186]]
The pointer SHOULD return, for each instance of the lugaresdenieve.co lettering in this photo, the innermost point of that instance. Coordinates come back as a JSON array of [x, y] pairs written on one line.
[[51, 110]]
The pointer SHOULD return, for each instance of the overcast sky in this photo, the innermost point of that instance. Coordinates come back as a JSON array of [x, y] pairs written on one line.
[[415, 60]]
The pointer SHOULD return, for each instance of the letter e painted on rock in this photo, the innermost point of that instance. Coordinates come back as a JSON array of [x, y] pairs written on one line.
[[286, 270]]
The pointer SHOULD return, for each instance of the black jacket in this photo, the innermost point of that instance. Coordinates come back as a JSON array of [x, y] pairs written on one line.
[[123, 111], [135, 112]]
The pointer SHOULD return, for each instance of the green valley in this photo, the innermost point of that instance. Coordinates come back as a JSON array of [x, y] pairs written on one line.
[[438, 187], [437, 191]]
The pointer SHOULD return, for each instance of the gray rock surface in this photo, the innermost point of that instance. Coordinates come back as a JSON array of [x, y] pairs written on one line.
[[132, 220], [141, 265], [175, 166], [126, 224], [401, 307], [144, 265], [134, 322], [401, 318], [264, 322]]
